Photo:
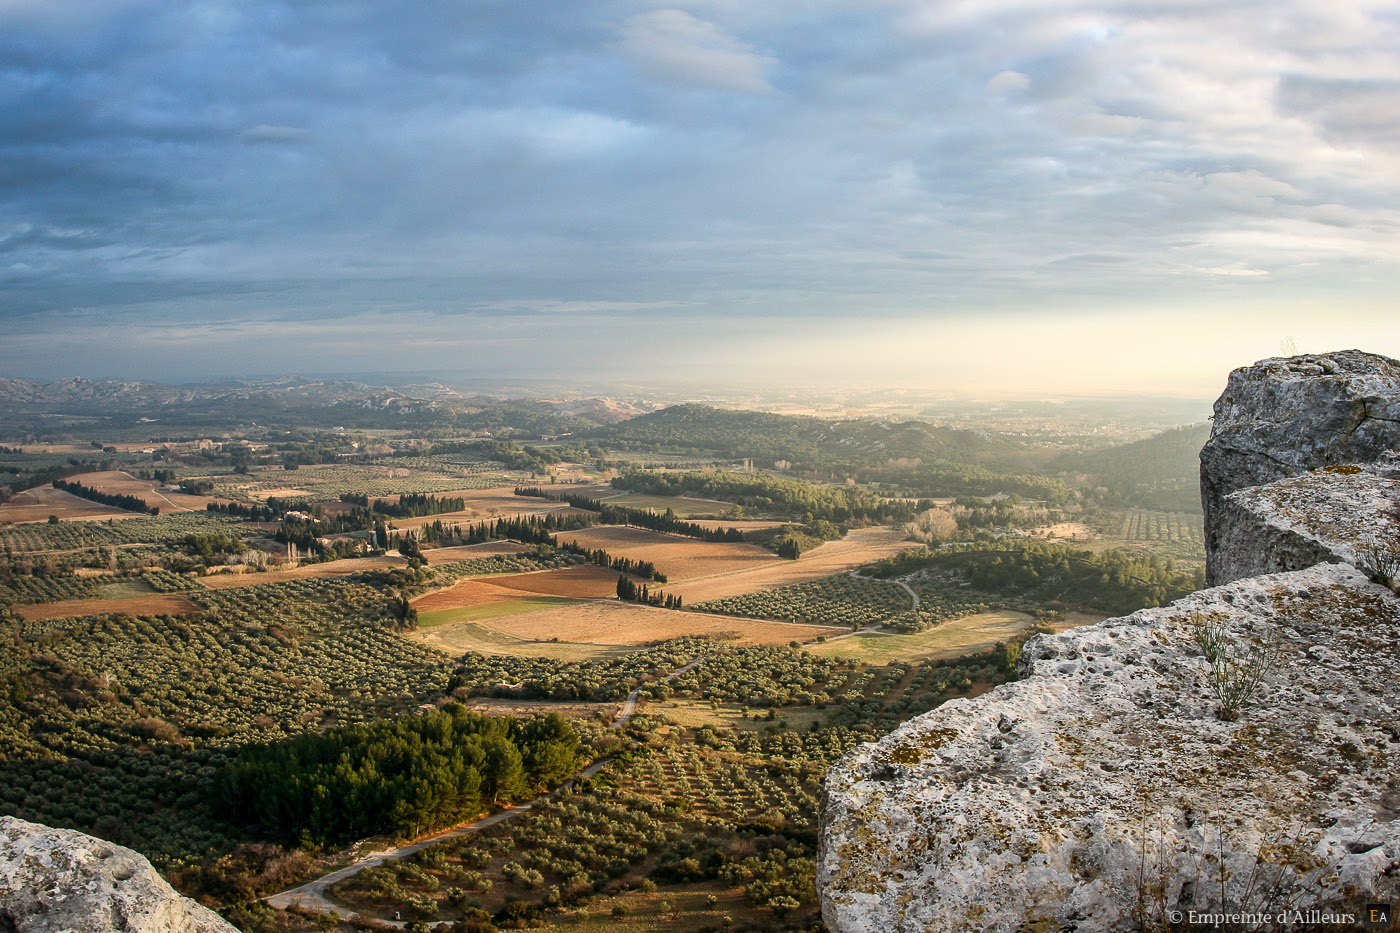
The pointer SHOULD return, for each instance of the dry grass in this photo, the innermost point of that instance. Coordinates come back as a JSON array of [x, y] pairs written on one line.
[[36, 505], [1071, 531], [678, 558], [457, 639], [859, 547], [485, 505], [166, 604], [600, 628]]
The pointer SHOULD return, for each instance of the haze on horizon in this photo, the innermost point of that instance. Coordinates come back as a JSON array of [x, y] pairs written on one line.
[[998, 196]]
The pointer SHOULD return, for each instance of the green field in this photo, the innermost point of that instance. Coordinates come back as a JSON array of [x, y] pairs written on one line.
[[968, 635], [122, 589], [496, 610]]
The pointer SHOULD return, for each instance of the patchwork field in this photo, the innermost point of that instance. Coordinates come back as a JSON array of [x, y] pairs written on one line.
[[328, 570], [459, 638], [590, 626], [117, 482], [859, 547], [330, 481], [679, 558], [152, 605], [484, 505], [37, 504]]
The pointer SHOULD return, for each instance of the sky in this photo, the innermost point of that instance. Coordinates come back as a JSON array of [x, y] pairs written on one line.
[[1027, 196]]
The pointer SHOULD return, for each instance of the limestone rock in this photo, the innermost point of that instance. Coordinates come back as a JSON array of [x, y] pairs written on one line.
[[1118, 782], [1102, 790], [62, 881], [1330, 515], [1282, 417]]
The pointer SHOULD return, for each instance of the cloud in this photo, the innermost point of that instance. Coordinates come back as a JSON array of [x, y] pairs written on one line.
[[1004, 82], [672, 45], [633, 167]]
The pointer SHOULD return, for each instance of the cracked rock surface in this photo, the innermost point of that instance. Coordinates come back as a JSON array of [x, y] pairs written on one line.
[[62, 881]]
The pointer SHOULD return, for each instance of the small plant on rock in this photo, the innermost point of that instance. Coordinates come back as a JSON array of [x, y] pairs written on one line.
[[1379, 562], [1235, 679]]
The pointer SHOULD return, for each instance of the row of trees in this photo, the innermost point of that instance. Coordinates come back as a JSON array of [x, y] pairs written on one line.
[[270, 511], [409, 505], [631, 592]]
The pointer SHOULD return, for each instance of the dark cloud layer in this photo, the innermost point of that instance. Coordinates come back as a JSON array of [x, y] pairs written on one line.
[[657, 169]]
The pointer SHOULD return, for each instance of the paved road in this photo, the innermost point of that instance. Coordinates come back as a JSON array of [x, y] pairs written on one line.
[[312, 894]]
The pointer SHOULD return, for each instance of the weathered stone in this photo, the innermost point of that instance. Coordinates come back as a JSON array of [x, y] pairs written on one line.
[[1326, 516], [61, 881], [1282, 417], [1117, 781], [1101, 790]]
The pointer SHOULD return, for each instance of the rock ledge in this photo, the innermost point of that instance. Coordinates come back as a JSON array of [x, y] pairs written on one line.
[[1103, 790]]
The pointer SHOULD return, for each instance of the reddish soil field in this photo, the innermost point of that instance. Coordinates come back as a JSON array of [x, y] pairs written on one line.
[[586, 582], [466, 593], [163, 604]]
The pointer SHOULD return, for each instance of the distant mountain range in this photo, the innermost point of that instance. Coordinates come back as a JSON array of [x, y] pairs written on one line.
[[286, 395]]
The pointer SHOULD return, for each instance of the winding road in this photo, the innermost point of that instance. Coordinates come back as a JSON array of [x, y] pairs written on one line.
[[312, 895], [912, 595]]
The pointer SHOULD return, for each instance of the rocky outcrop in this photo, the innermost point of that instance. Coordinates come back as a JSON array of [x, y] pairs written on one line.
[[1282, 417], [61, 881], [1331, 515], [1237, 751]]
